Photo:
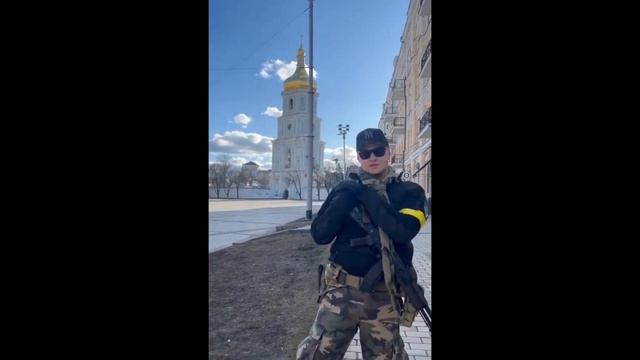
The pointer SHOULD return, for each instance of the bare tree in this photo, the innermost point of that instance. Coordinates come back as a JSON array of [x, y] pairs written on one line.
[[228, 184], [331, 179], [216, 179], [237, 178], [318, 177], [327, 181], [223, 175], [339, 169], [295, 179], [213, 177]]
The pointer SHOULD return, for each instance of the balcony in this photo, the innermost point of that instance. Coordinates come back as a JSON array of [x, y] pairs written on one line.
[[398, 126], [390, 110], [425, 8], [390, 113], [397, 89], [396, 159], [425, 125]]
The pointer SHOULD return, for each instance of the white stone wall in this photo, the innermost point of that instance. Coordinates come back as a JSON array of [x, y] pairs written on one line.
[[254, 193]]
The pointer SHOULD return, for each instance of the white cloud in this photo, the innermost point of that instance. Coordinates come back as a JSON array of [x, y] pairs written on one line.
[[242, 119], [272, 111], [241, 148], [264, 74], [336, 153], [286, 70], [280, 68], [238, 142]]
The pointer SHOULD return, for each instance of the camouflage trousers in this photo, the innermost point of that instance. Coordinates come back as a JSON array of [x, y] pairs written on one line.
[[342, 311]]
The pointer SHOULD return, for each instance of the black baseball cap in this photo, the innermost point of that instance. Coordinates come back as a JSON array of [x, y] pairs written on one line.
[[370, 136]]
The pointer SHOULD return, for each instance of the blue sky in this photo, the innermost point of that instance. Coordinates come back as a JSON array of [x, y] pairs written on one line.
[[253, 43]]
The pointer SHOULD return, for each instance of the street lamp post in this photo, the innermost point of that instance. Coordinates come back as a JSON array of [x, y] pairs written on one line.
[[311, 114], [343, 131]]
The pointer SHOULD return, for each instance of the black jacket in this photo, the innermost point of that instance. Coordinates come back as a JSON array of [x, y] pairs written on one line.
[[333, 221]]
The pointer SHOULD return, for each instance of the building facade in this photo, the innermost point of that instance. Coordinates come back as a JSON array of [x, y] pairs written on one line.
[[406, 112]]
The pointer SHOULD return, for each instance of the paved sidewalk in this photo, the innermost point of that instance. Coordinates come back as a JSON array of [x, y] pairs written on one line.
[[234, 221]]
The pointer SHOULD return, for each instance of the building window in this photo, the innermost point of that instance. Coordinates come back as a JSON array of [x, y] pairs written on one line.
[[289, 127], [288, 163], [290, 103], [425, 55], [426, 119]]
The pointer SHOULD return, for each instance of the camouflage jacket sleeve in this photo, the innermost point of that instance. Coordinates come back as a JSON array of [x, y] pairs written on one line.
[[403, 218], [332, 214]]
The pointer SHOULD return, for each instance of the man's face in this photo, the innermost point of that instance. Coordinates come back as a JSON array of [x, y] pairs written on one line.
[[377, 161]]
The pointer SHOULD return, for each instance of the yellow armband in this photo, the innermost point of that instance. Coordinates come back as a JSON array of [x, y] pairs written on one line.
[[416, 214]]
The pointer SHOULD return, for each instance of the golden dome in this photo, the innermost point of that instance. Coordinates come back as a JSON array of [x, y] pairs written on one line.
[[300, 79]]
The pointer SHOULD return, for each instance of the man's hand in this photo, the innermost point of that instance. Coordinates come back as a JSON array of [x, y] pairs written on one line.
[[351, 186], [369, 193]]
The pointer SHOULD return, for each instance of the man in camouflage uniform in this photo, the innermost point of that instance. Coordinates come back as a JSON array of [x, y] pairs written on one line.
[[378, 200]]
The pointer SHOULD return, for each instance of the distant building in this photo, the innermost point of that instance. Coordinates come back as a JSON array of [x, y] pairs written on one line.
[[250, 172]]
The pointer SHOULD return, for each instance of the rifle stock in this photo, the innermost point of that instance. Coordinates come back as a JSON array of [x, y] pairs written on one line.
[[413, 291]]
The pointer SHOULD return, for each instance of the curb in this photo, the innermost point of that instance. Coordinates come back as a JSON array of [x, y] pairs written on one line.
[[293, 225]]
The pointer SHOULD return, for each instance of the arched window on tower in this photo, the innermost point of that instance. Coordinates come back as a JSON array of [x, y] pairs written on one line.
[[288, 162], [291, 103]]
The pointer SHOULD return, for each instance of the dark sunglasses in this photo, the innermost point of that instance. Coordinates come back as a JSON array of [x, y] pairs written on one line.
[[378, 152]]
